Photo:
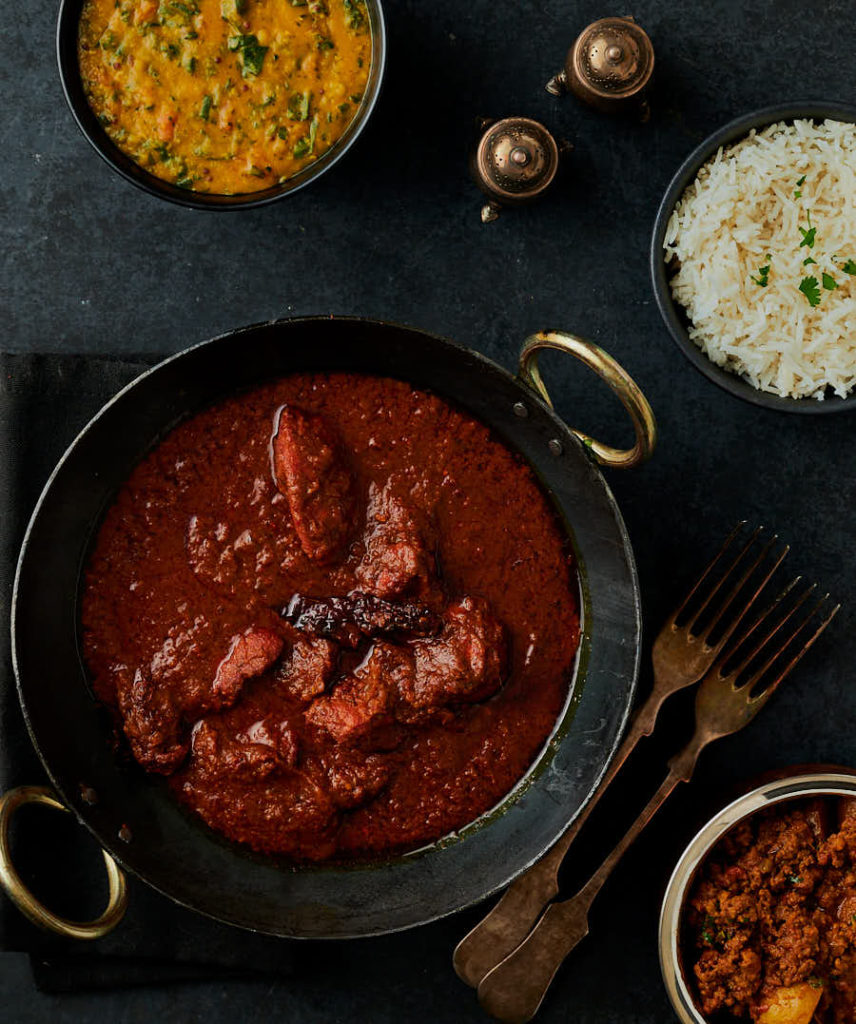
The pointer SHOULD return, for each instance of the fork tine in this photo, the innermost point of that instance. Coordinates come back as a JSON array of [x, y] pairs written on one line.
[[768, 690], [764, 551], [756, 676], [767, 616], [726, 636], [712, 565]]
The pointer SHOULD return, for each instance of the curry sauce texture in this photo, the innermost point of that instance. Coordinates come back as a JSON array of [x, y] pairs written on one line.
[[224, 96], [336, 613], [772, 918]]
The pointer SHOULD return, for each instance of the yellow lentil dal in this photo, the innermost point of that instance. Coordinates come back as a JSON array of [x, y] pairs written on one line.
[[224, 96]]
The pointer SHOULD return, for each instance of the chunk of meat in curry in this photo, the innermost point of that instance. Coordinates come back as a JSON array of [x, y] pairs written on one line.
[[251, 653], [399, 558], [308, 668], [466, 663], [310, 471], [266, 747]]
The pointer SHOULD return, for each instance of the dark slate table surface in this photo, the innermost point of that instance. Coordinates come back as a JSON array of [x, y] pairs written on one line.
[[92, 265]]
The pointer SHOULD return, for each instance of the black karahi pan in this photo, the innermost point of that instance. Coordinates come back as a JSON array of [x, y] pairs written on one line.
[[134, 817]]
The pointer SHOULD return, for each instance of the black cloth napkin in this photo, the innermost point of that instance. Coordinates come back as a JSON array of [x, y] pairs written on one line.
[[44, 402]]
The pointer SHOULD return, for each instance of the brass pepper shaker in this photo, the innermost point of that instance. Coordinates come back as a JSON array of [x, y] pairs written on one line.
[[609, 67], [514, 161]]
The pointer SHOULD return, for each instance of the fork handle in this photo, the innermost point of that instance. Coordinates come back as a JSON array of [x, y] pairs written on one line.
[[514, 990], [502, 930]]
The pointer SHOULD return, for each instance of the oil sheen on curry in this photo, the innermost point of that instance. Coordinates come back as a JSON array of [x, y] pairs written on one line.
[[224, 96], [337, 613]]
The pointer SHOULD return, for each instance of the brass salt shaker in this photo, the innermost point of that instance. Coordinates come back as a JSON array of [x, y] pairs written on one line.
[[514, 161], [609, 67]]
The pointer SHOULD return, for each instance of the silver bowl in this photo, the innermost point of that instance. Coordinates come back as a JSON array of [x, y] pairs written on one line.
[[838, 782]]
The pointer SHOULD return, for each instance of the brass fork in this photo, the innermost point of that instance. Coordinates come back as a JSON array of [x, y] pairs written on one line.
[[727, 700], [681, 655]]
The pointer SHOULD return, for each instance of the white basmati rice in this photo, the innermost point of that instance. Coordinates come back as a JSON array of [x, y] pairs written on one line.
[[743, 207]]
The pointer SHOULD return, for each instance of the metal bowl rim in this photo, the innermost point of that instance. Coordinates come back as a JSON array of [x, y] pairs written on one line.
[[729, 133]]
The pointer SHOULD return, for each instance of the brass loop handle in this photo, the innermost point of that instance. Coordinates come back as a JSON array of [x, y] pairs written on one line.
[[615, 376], [26, 902]]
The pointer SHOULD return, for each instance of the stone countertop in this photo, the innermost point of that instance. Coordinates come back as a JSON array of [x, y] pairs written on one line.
[[94, 266]]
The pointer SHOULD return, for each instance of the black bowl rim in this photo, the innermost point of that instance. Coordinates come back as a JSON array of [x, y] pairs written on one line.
[[728, 133], [69, 73]]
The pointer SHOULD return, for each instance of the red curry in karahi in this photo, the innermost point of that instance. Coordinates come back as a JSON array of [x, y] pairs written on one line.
[[336, 612], [772, 918]]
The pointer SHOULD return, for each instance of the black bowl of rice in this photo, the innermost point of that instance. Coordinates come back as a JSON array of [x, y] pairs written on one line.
[[753, 257]]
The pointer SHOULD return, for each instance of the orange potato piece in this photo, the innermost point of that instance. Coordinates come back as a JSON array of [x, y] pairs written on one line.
[[794, 1004]]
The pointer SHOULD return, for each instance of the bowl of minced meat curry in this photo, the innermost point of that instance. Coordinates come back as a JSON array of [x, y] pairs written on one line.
[[759, 918], [221, 103]]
